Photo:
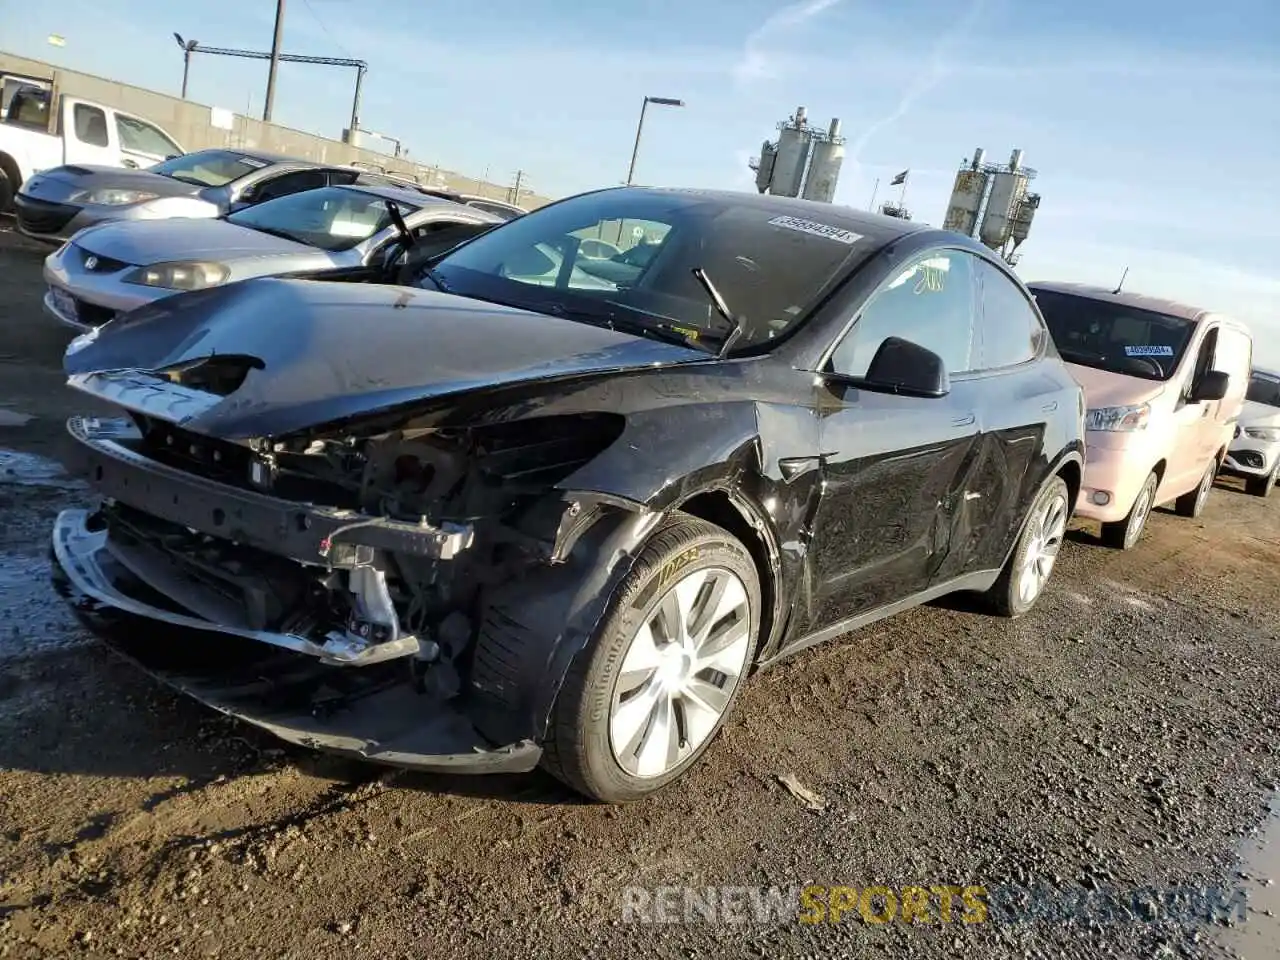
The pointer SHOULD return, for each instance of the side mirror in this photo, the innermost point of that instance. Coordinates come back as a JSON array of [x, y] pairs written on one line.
[[904, 368], [1212, 386]]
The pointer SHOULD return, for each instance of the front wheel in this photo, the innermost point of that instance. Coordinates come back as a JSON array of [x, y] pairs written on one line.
[[1027, 571], [648, 694], [1124, 534], [1262, 486]]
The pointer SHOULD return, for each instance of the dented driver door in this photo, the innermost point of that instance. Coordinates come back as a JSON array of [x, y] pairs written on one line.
[[894, 467]]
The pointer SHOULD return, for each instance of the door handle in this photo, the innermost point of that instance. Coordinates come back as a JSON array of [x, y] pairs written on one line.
[[131, 164], [1049, 407], [963, 421]]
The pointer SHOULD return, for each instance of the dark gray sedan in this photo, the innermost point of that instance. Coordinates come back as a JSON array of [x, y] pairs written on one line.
[[56, 203]]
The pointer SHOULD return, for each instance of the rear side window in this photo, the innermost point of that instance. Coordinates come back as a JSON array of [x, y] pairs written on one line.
[[288, 183], [1009, 331], [90, 124], [930, 302]]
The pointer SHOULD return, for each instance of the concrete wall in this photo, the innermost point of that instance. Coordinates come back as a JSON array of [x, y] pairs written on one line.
[[189, 123]]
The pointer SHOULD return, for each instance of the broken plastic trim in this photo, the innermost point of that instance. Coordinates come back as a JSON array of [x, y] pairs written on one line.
[[77, 550], [302, 532]]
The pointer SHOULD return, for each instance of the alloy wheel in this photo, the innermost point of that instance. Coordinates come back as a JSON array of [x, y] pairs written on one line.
[[1048, 527], [679, 672], [1138, 521], [1205, 484]]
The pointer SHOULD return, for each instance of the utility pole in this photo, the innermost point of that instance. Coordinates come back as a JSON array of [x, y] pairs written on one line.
[[515, 191], [275, 63]]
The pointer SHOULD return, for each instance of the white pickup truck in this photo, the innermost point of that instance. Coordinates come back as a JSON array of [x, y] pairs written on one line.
[[41, 129]]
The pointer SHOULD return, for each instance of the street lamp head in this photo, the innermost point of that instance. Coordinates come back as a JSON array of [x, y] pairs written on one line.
[[182, 43], [665, 101]]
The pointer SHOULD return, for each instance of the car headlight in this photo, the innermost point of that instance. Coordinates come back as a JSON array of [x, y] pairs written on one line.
[[180, 275], [111, 197], [1118, 419], [1270, 434]]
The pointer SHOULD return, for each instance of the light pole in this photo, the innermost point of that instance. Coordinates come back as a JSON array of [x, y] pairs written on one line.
[[187, 46], [275, 62], [635, 151]]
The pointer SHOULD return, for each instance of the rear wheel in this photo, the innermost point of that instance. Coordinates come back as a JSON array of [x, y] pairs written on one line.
[[1192, 504], [1124, 534], [652, 688], [1027, 572]]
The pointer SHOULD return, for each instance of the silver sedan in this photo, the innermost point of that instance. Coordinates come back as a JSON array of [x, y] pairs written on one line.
[[331, 231], [56, 203]]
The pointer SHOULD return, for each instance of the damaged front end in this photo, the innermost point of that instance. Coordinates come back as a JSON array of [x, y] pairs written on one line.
[[302, 557]]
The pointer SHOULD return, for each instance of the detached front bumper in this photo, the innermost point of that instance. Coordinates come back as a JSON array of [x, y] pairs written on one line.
[[373, 714]]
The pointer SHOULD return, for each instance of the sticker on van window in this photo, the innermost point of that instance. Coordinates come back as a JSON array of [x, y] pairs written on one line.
[[1153, 350], [817, 229]]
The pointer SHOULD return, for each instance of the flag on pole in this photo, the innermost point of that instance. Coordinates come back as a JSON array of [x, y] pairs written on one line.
[[900, 178]]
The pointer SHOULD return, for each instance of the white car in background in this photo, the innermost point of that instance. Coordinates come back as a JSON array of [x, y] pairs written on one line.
[[1255, 449]]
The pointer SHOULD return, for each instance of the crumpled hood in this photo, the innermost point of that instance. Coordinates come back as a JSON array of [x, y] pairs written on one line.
[[1102, 388], [59, 183], [144, 242], [329, 351]]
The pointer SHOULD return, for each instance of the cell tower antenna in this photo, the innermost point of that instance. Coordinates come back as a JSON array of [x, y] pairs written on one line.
[[1121, 283]]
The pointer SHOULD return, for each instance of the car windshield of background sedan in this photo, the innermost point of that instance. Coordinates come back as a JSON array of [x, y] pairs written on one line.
[[1264, 388], [331, 218], [208, 168], [1113, 336], [770, 270]]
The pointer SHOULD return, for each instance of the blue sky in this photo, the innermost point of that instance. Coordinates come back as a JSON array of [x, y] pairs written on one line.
[[1155, 127]]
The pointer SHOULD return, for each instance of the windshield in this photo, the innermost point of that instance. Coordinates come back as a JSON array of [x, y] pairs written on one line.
[[1264, 388], [208, 168], [331, 218], [1113, 336], [626, 257]]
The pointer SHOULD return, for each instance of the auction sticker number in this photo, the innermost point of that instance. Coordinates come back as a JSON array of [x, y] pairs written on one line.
[[837, 234], [1152, 350]]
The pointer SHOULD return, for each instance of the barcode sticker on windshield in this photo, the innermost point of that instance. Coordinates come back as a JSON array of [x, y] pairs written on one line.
[[1153, 350], [253, 162], [817, 229]]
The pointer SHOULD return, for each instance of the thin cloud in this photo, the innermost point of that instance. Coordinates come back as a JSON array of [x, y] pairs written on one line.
[[938, 70], [759, 59]]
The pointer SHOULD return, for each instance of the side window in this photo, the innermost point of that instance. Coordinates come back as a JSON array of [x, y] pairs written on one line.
[[1204, 361], [91, 125], [288, 183], [141, 137], [436, 238], [341, 178], [1009, 332], [929, 302]]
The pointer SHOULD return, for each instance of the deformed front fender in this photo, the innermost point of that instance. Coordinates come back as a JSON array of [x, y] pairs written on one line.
[[531, 630]]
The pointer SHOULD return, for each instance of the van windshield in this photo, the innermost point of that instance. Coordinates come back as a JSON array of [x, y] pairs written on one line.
[[1113, 336]]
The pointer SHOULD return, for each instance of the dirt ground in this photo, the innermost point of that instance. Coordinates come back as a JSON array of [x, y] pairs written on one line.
[[1123, 736]]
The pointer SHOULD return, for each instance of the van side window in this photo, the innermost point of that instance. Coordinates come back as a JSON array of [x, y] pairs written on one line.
[[1204, 361], [90, 124]]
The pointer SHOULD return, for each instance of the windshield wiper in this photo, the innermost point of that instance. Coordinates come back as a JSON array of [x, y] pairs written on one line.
[[735, 332]]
